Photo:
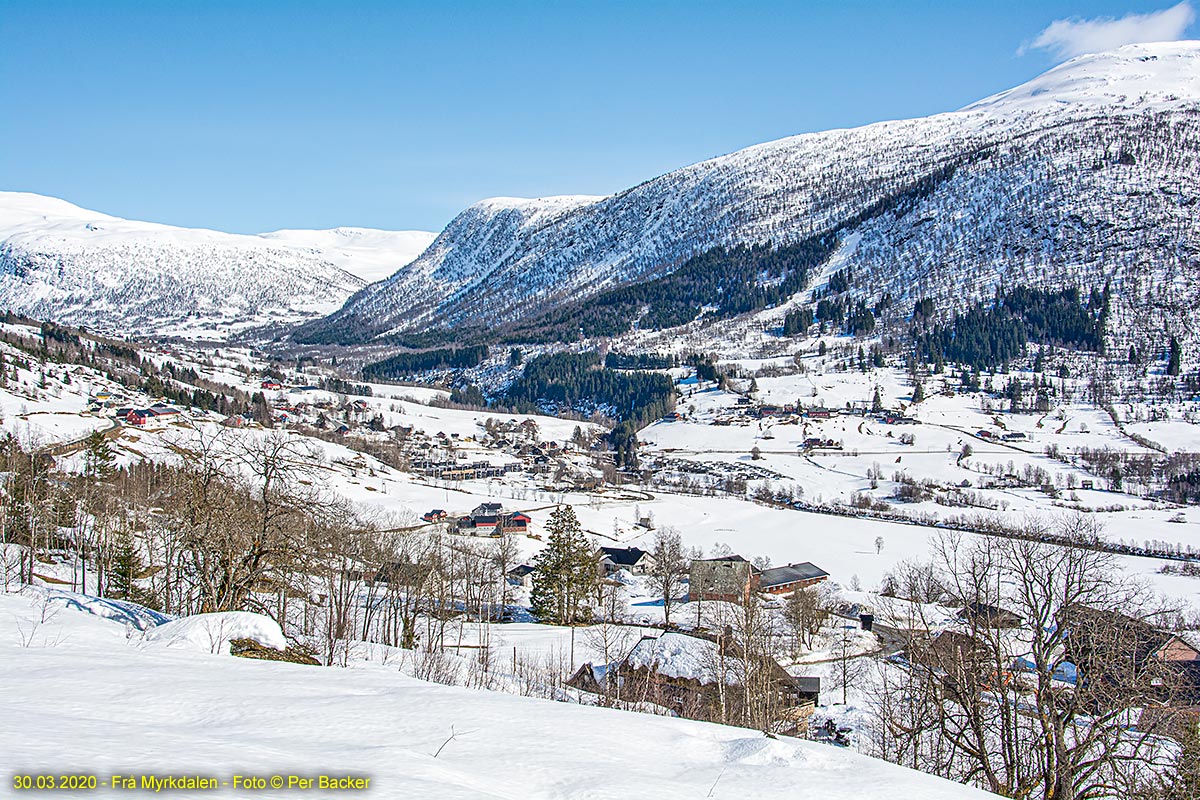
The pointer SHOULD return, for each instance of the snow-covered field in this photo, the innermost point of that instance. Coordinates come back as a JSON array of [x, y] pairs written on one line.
[[85, 697], [843, 546]]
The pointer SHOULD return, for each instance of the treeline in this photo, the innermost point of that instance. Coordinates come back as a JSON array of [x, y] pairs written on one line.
[[723, 282], [797, 321], [855, 317], [338, 385], [568, 379], [123, 364], [577, 380], [615, 360], [989, 336], [241, 522], [403, 365]]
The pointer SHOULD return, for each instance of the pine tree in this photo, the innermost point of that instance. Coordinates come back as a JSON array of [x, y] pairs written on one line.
[[565, 572], [1174, 358], [98, 457], [125, 569]]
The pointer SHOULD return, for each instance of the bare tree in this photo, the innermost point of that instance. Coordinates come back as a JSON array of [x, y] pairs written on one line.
[[609, 636], [670, 568], [1051, 718], [804, 615], [849, 666]]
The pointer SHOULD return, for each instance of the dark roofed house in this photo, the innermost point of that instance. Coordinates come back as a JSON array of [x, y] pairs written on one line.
[[487, 517], [686, 673], [485, 511], [788, 578], [436, 515], [634, 559], [521, 575], [515, 522], [728, 578], [987, 616]]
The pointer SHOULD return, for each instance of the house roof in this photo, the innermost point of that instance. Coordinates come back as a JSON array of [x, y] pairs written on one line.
[[791, 573], [624, 556], [1190, 638], [521, 571], [807, 685], [676, 655], [734, 557], [990, 615]]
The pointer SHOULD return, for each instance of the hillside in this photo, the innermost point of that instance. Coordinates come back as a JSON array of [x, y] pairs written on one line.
[[184, 712], [1087, 173], [758, 478], [72, 265]]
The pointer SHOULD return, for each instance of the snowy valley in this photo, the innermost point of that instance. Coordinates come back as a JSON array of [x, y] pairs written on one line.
[[857, 464], [403, 480]]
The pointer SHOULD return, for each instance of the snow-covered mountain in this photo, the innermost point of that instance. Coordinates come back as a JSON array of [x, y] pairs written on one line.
[[1087, 173], [68, 264], [367, 253]]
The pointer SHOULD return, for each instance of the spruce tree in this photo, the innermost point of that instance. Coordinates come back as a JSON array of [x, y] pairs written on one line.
[[98, 457], [1174, 358], [124, 571], [565, 572]]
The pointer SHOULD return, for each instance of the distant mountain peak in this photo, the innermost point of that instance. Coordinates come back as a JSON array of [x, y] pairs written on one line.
[[65, 263]]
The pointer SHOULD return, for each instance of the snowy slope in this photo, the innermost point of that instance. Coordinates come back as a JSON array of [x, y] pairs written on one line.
[[367, 253], [1037, 191], [68, 264], [131, 709]]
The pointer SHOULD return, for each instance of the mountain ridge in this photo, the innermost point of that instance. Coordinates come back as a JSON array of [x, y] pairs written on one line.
[[501, 259], [69, 264]]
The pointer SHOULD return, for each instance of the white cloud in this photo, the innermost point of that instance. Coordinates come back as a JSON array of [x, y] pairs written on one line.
[[1067, 38]]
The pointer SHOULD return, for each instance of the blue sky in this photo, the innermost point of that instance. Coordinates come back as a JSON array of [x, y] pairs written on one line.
[[255, 116]]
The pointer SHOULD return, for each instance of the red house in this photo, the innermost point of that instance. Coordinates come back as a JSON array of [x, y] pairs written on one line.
[[515, 523], [271, 385]]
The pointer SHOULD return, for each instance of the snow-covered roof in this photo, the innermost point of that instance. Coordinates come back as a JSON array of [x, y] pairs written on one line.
[[676, 655]]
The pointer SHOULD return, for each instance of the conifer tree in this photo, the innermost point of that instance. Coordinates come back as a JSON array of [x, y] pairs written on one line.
[[124, 571], [565, 572], [98, 457], [1173, 359]]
